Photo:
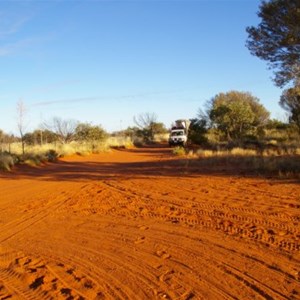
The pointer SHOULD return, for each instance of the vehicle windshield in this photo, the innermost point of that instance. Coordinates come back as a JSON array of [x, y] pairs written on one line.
[[176, 133]]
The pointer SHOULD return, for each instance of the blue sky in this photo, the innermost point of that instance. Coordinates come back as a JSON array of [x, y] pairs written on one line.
[[106, 61]]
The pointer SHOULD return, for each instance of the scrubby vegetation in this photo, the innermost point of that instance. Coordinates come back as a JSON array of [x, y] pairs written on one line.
[[180, 151], [238, 119], [235, 132], [60, 138], [284, 164], [6, 161], [44, 145]]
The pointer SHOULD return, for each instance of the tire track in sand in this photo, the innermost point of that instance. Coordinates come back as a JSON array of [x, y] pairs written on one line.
[[151, 238], [235, 221]]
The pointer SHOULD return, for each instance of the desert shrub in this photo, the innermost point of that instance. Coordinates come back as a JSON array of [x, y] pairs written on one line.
[[138, 141], [197, 132], [32, 159], [7, 161], [51, 155], [235, 115], [147, 127]]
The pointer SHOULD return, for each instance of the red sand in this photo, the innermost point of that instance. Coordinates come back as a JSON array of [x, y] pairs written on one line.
[[139, 224]]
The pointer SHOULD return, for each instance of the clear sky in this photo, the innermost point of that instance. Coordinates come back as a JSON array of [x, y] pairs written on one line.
[[106, 61]]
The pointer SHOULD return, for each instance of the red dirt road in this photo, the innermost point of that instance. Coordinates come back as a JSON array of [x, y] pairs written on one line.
[[140, 224]]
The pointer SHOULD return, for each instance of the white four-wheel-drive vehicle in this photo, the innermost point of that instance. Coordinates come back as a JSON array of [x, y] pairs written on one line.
[[179, 133]]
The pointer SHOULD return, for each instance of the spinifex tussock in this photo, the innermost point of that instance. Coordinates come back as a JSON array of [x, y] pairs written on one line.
[[6, 161], [253, 161]]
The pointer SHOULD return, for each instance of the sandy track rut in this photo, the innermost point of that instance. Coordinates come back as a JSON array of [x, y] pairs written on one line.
[[131, 225]]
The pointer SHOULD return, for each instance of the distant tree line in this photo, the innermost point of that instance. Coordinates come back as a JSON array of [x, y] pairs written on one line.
[[57, 131], [6, 140], [63, 131]]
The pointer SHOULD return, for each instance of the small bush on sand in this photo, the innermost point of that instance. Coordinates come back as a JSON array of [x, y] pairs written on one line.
[[51, 155], [6, 161], [32, 159]]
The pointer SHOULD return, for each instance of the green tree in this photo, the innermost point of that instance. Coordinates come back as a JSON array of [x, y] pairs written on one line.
[[290, 101], [29, 138], [6, 140], [46, 136], [159, 128], [90, 134], [197, 131], [275, 124], [236, 114], [130, 132], [40, 137], [277, 39], [64, 129], [148, 126]]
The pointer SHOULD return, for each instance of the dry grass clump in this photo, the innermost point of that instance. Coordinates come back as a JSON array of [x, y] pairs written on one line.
[[32, 160], [119, 142], [179, 151], [223, 153], [267, 151], [7, 160], [81, 148], [285, 163], [37, 154]]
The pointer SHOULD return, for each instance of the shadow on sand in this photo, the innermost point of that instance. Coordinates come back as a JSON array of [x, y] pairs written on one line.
[[161, 163]]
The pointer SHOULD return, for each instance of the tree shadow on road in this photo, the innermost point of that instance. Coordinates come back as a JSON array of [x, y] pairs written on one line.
[[161, 163]]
